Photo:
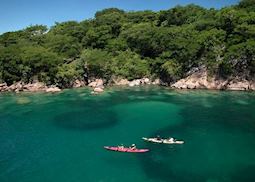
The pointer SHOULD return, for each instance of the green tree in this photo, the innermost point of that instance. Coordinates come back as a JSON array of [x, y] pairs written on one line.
[[98, 61], [97, 37], [67, 74], [41, 62], [129, 65]]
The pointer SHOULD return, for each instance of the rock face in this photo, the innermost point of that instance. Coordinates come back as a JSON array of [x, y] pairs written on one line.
[[239, 85], [156, 82], [98, 85], [3, 87], [253, 85], [78, 83], [20, 86], [135, 83], [35, 87], [200, 80], [142, 81]]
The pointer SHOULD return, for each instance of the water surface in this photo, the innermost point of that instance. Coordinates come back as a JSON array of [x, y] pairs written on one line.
[[59, 137]]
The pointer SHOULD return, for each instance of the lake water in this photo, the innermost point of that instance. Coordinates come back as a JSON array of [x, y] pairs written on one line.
[[60, 137]]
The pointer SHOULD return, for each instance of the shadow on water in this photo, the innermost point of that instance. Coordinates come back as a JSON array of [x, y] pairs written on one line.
[[95, 113], [86, 120]]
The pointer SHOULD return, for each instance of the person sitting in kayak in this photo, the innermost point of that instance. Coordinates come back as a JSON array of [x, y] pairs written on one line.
[[171, 139], [133, 147], [121, 146], [158, 138]]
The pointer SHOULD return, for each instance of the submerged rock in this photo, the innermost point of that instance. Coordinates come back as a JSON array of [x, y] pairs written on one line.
[[98, 89], [23, 100], [53, 89]]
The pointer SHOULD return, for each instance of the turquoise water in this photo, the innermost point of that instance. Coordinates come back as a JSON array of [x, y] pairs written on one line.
[[60, 137]]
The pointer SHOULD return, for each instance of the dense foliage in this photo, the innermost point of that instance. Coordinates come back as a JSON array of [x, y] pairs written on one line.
[[165, 44]]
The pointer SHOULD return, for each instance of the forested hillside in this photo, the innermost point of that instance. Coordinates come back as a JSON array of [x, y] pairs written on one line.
[[165, 44]]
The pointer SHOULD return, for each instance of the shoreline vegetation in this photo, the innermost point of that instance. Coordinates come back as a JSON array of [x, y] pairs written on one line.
[[185, 47]]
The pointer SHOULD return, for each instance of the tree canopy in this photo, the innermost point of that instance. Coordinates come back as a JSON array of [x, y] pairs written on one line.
[[115, 43]]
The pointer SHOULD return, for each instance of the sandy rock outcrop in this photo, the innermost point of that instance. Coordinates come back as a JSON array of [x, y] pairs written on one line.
[[96, 83], [35, 87], [156, 82], [136, 82], [146, 81], [239, 85], [194, 81], [78, 83], [201, 80], [3, 87], [16, 87], [142, 81], [253, 85]]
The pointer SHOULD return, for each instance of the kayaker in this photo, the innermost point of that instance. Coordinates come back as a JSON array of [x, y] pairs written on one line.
[[133, 147], [171, 139], [121, 146], [158, 138]]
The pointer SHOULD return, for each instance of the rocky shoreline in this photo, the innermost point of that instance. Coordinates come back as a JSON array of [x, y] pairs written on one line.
[[196, 80], [201, 80], [30, 87]]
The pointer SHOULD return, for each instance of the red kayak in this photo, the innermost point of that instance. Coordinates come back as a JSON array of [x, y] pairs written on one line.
[[126, 149]]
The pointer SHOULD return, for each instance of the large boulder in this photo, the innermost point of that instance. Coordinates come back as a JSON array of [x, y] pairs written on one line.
[[98, 89], [136, 82], [156, 82], [18, 86], [252, 85], [3, 87], [146, 81], [239, 85], [200, 80], [96, 83], [35, 87], [78, 83]]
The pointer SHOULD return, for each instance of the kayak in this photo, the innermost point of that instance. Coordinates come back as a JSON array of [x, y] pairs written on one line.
[[164, 141], [117, 149]]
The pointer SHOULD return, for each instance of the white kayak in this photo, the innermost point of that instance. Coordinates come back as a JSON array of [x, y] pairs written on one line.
[[164, 141]]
